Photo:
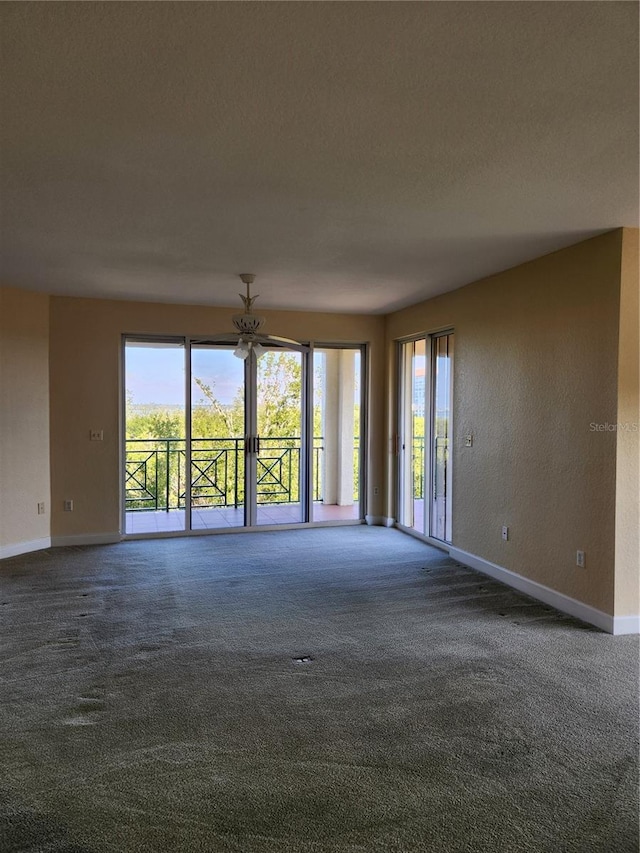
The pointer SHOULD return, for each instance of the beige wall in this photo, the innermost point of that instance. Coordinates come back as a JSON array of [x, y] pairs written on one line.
[[627, 587], [24, 418], [543, 351], [536, 356], [85, 358]]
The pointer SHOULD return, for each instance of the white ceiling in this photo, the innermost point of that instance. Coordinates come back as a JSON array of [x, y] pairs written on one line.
[[355, 156]]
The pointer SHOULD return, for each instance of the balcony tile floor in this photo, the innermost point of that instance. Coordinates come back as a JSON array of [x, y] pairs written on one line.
[[161, 521]]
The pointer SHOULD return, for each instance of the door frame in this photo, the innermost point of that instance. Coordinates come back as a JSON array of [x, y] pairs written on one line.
[[187, 341], [363, 425], [399, 438]]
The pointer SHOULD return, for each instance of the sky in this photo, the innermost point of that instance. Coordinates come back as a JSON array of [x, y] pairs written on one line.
[[155, 374]]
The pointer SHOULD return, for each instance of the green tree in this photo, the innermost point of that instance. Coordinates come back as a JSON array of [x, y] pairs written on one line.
[[279, 393], [210, 418]]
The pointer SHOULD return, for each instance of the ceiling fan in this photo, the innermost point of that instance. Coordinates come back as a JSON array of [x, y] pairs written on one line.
[[249, 324]]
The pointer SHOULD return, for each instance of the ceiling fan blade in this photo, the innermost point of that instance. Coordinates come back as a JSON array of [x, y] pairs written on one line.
[[225, 338], [284, 342], [267, 340]]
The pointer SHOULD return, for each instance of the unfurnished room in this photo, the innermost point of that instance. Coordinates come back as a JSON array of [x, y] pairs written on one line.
[[319, 427]]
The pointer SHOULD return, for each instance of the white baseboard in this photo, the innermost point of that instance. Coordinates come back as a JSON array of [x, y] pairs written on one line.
[[561, 602], [626, 625], [436, 543], [17, 548], [380, 520], [86, 539]]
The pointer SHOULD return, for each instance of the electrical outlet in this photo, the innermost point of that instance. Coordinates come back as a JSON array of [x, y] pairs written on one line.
[[505, 533], [96, 435], [376, 490], [468, 441], [580, 559], [68, 506], [41, 508]]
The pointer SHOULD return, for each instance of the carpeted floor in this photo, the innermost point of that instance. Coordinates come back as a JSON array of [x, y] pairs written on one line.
[[150, 700]]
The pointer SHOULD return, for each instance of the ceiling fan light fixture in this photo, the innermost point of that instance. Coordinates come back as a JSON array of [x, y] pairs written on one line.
[[245, 347], [242, 350], [248, 325]]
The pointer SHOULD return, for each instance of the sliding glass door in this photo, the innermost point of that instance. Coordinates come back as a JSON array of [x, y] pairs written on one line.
[[280, 450], [213, 441], [247, 450], [424, 439], [441, 436], [412, 435], [154, 436]]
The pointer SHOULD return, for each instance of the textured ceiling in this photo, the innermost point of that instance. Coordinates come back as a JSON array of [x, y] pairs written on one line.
[[355, 156]]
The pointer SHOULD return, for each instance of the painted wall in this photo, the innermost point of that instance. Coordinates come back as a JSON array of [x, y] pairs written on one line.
[[535, 366], [627, 587], [24, 420], [85, 362]]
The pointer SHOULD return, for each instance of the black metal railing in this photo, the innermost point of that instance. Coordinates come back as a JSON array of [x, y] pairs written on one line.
[[155, 477], [418, 466], [152, 472]]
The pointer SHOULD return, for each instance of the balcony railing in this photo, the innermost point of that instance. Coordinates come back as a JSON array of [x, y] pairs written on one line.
[[418, 466], [155, 476]]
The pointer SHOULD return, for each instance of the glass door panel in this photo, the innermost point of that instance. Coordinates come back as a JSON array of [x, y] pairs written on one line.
[[412, 460], [279, 459], [154, 452], [418, 406], [441, 472], [217, 438], [337, 392]]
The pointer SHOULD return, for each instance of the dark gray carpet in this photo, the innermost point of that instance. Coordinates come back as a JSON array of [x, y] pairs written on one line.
[[150, 702]]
